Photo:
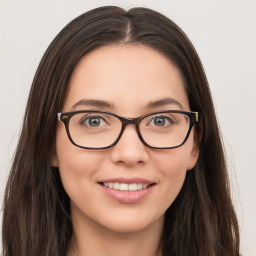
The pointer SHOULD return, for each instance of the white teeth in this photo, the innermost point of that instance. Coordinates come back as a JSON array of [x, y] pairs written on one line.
[[139, 186], [125, 187], [116, 186], [144, 186], [133, 187]]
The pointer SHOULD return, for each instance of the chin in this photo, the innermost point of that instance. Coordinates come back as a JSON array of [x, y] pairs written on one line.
[[132, 224]]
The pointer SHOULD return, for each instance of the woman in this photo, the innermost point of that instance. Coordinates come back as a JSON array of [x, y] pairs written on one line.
[[120, 152]]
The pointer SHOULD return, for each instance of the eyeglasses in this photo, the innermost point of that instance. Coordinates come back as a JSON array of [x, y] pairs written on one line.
[[91, 129]]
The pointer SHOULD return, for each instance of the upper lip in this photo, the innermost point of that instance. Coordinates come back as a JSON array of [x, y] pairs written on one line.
[[128, 180]]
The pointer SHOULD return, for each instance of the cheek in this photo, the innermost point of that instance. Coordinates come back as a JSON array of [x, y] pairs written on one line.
[[172, 163], [77, 166], [172, 167]]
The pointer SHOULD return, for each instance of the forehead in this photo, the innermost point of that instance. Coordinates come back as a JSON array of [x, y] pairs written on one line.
[[125, 75]]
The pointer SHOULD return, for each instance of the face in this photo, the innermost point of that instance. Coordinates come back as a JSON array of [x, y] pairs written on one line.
[[127, 78]]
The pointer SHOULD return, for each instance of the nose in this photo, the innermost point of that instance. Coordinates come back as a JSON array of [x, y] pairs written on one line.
[[129, 150]]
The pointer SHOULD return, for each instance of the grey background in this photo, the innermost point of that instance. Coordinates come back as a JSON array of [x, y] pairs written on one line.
[[223, 32]]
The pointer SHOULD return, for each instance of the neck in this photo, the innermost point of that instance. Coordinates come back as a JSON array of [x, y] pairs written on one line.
[[90, 239]]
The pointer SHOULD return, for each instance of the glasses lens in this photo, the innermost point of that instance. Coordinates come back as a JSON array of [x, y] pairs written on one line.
[[164, 130], [94, 129]]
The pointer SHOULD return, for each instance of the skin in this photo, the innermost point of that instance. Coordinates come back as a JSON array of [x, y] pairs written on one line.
[[128, 77]]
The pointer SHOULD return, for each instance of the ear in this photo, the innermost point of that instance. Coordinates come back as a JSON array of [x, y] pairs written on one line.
[[194, 154], [54, 158]]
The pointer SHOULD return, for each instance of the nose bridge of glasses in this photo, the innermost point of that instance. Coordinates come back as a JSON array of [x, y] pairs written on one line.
[[130, 121]]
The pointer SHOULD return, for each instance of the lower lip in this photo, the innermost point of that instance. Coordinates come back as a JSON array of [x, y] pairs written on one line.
[[127, 197]]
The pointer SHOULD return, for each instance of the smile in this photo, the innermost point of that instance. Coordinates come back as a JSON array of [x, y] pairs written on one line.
[[125, 190], [125, 186]]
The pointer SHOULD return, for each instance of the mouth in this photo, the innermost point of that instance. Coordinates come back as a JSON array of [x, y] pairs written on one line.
[[126, 186], [127, 190]]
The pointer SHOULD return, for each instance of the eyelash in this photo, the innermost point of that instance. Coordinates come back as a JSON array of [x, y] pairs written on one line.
[[87, 118], [170, 120]]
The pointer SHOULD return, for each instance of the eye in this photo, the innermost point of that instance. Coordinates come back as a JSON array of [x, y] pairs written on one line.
[[93, 121], [161, 121]]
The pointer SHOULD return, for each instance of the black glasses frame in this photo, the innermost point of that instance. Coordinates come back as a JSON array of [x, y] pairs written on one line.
[[65, 118]]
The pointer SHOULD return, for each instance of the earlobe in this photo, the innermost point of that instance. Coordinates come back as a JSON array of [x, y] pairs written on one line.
[[194, 154]]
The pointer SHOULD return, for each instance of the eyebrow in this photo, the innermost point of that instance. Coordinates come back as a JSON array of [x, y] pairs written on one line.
[[164, 102], [93, 103], [106, 104]]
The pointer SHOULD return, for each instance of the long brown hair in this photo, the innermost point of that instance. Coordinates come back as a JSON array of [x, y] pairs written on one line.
[[36, 216]]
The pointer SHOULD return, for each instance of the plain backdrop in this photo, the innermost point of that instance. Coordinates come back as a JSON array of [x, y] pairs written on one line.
[[224, 34]]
